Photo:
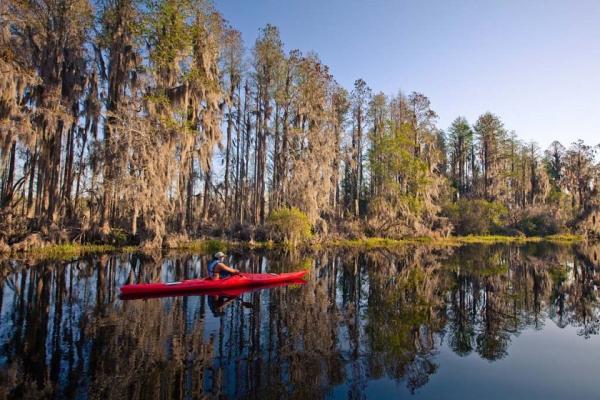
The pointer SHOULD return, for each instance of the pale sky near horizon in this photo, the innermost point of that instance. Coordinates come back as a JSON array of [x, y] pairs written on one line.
[[534, 63]]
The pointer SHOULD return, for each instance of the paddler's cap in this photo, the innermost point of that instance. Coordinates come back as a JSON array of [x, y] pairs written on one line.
[[219, 254]]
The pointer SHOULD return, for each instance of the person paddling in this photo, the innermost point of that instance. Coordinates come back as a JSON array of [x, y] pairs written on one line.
[[217, 269]]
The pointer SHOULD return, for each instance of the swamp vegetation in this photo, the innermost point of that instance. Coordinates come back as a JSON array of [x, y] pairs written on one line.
[[152, 123], [137, 137]]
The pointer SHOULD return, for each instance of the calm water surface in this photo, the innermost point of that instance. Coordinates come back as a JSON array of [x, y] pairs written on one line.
[[492, 322]]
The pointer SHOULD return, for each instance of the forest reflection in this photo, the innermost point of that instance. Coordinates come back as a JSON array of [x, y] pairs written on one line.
[[64, 332]]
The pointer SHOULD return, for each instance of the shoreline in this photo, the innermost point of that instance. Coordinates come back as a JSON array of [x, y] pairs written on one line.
[[374, 243], [68, 251]]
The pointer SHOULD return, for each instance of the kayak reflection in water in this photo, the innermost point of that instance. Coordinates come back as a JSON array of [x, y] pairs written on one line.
[[217, 269]]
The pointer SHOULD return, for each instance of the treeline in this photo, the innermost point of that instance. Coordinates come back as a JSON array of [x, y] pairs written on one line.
[[518, 185], [129, 120]]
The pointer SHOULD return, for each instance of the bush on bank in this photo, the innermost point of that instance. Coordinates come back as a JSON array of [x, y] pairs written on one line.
[[289, 225], [476, 217]]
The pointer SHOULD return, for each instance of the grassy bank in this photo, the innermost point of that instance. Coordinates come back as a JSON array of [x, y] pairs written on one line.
[[209, 246], [73, 250], [376, 243], [68, 251], [562, 238]]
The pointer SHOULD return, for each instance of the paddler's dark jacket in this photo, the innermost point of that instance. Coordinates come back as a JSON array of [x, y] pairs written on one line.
[[211, 269]]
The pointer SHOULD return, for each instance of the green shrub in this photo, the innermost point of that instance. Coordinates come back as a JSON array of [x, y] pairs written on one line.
[[289, 225], [538, 222], [118, 237], [476, 217]]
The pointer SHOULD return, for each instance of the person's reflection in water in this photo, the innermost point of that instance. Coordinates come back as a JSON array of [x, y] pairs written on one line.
[[219, 303]]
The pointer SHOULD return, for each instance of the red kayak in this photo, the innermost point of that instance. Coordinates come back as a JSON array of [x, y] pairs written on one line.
[[210, 285], [229, 293]]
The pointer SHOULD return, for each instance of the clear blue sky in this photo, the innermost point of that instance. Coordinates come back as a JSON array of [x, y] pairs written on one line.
[[534, 63]]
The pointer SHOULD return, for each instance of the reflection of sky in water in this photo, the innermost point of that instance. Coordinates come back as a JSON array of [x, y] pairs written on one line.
[[379, 325], [552, 363]]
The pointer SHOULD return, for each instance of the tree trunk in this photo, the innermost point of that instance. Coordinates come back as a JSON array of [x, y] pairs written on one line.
[[284, 154], [105, 208], [359, 170], [228, 150], [80, 170], [53, 188], [68, 173], [134, 219], [190, 196], [30, 209], [183, 188], [257, 158], [7, 191], [206, 203], [275, 185], [245, 209]]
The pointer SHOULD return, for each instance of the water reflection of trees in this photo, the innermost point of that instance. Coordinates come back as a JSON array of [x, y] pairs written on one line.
[[360, 317], [407, 311], [65, 335], [575, 301]]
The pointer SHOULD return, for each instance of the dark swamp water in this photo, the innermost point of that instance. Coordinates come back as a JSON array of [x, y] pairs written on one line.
[[463, 323]]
